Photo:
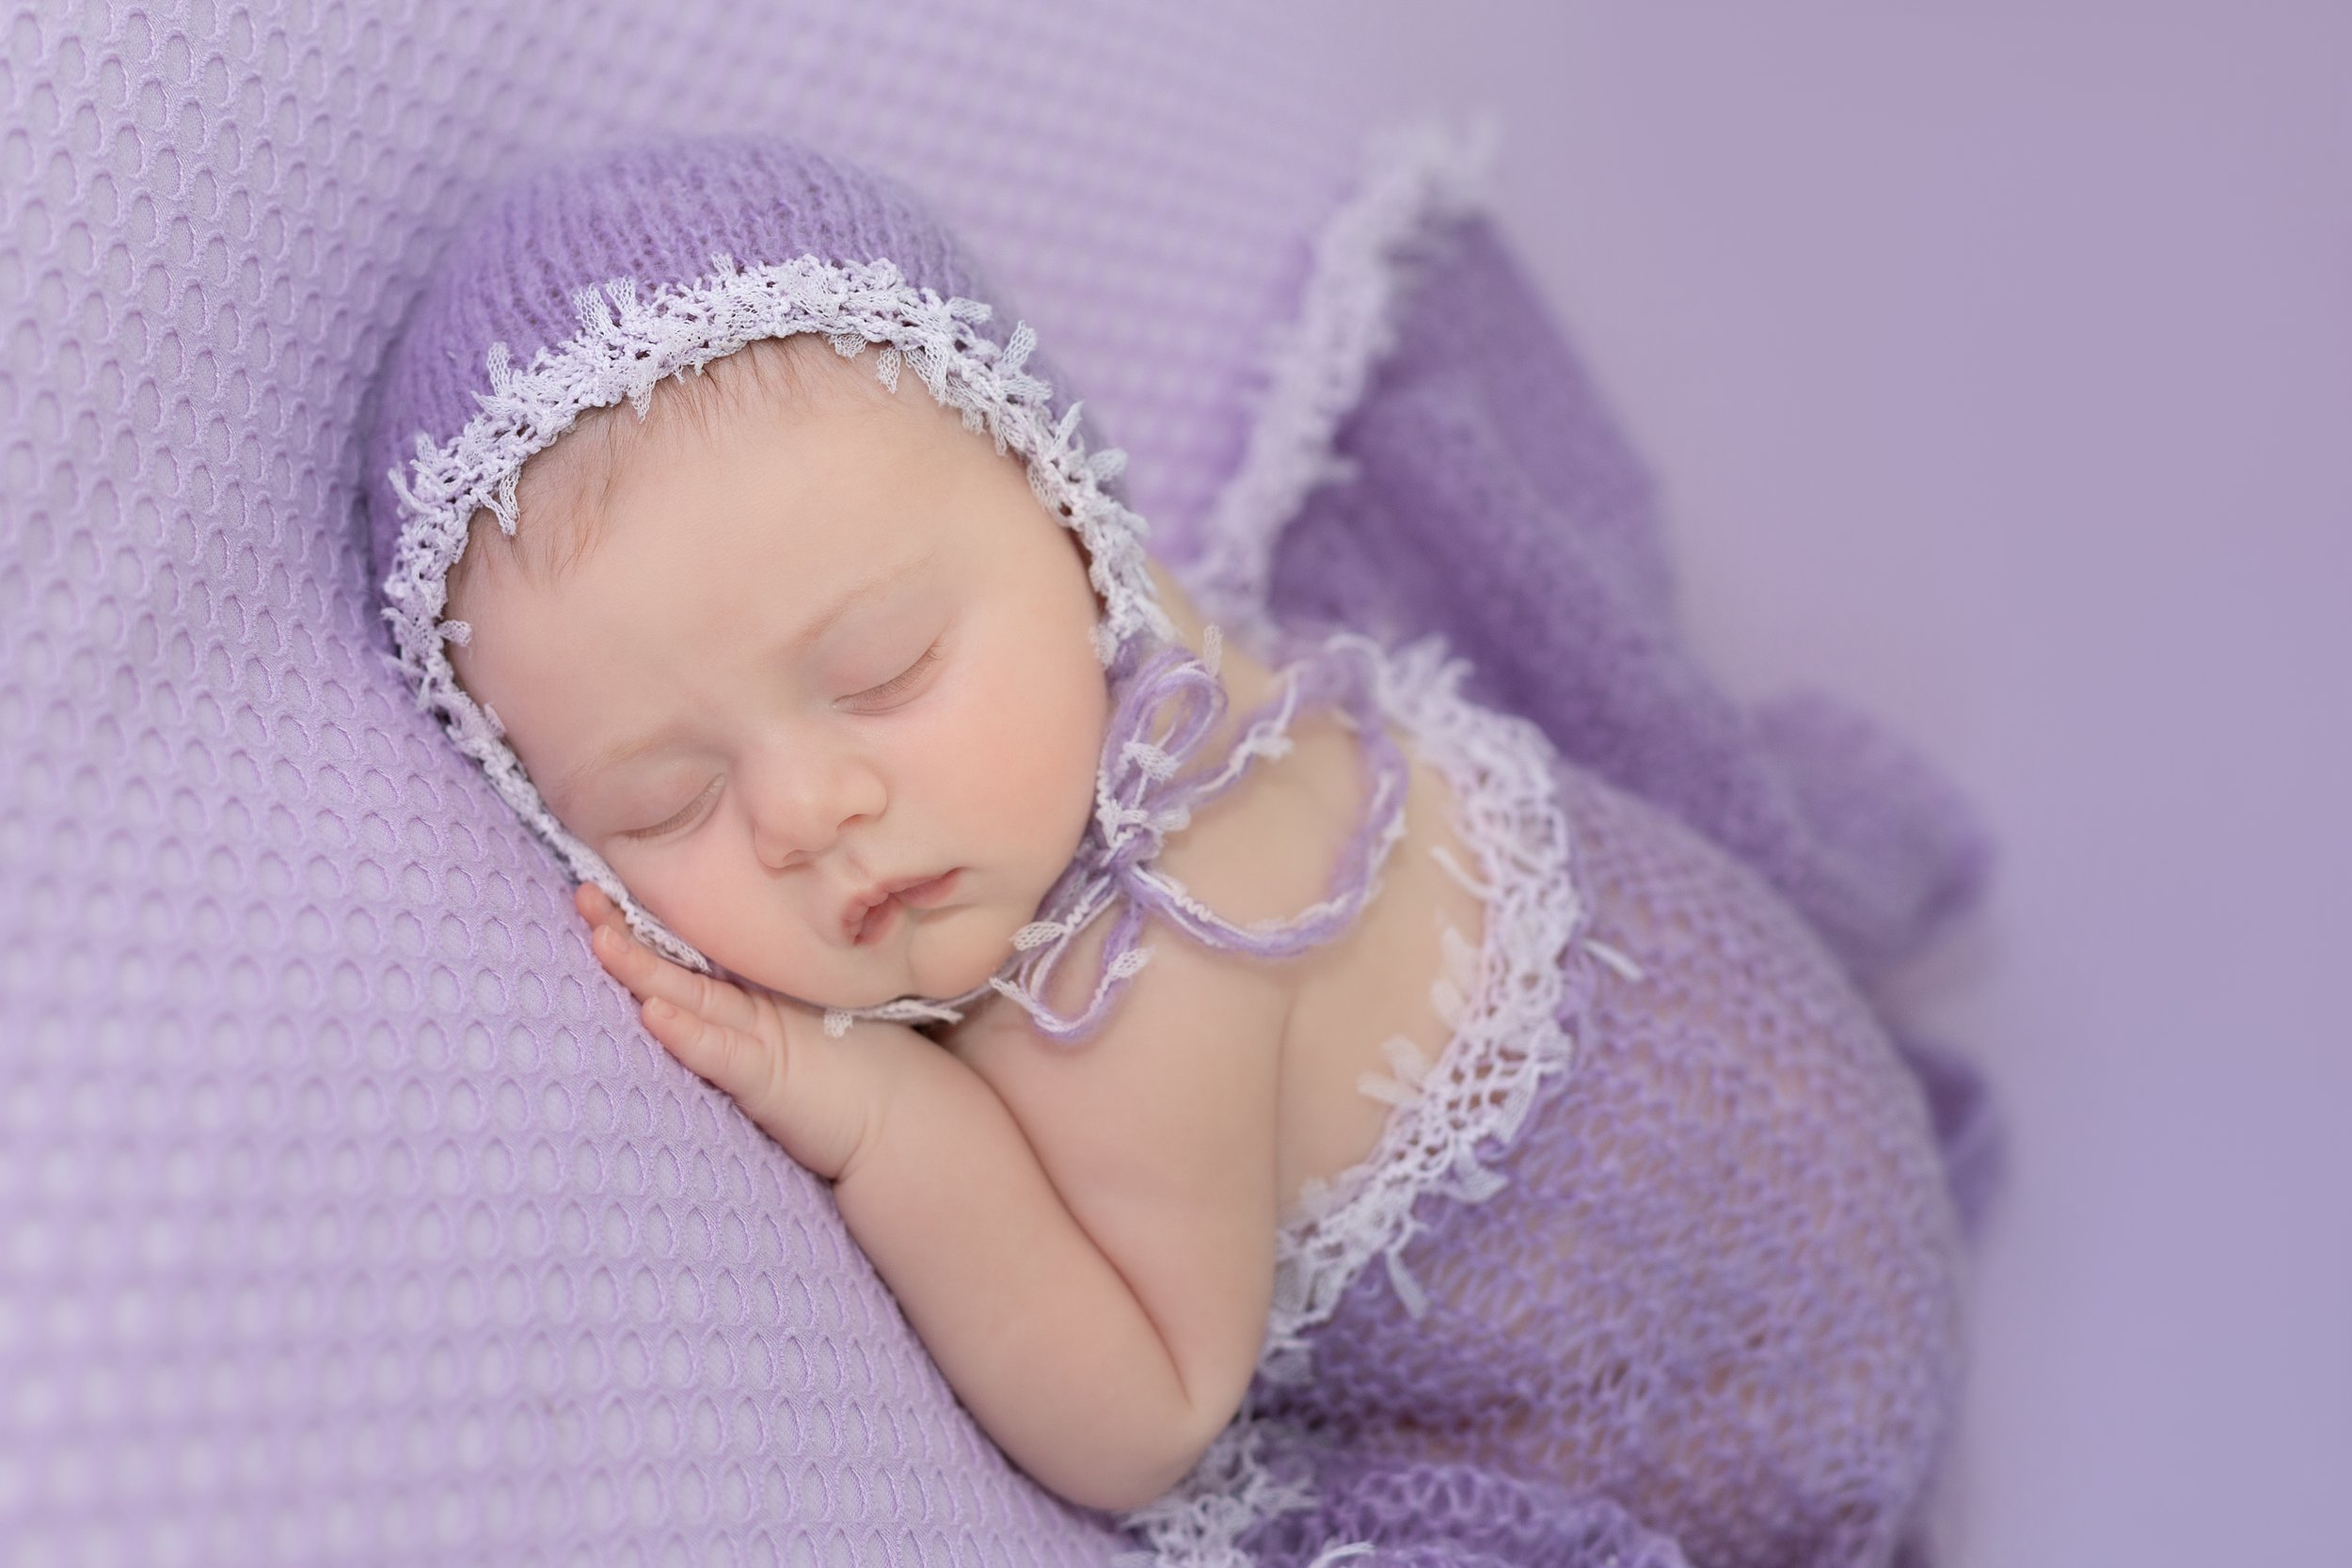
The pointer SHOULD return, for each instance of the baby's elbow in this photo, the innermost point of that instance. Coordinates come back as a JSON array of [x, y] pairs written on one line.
[[1116, 1493], [1124, 1482], [1135, 1458]]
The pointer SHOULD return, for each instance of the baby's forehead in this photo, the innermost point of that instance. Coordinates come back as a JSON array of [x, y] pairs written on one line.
[[566, 488]]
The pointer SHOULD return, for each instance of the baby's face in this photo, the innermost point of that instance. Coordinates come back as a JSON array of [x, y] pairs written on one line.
[[821, 691]]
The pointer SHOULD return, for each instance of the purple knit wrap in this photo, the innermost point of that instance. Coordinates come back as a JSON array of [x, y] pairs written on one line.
[[1706, 1309]]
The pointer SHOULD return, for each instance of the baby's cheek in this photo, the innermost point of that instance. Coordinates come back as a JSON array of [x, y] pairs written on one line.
[[1026, 756]]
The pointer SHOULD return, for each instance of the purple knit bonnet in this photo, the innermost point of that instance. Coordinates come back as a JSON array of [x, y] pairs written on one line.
[[586, 284]]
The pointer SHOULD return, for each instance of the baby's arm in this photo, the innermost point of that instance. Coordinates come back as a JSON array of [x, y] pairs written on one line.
[[1082, 1236]]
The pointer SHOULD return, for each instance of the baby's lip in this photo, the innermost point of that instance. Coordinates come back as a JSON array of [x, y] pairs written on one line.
[[919, 893]]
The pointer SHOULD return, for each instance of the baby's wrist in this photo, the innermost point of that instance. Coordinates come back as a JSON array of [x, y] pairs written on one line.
[[836, 1091]]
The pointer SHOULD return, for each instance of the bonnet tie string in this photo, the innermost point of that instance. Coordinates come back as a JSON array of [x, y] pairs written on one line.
[[1167, 711]]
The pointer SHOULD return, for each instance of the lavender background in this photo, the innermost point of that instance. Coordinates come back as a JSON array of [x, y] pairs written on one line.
[[1998, 368]]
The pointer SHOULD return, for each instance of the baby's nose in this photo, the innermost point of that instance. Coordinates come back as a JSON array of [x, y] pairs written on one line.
[[801, 809]]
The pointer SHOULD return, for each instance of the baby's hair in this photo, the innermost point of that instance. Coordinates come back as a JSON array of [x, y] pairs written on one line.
[[562, 490]]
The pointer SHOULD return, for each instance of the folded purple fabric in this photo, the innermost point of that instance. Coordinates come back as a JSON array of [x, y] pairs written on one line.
[[1489, 497]]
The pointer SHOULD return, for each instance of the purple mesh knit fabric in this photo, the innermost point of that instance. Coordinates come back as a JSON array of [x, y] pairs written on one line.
[[1710, 1316], [346, 1214]]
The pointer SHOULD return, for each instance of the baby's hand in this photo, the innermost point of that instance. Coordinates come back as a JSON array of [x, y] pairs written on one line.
[[745, 1045]]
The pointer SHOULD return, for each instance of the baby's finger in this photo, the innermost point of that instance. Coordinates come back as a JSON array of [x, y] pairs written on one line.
[[747, 1068], [649, 976], [595, 905]]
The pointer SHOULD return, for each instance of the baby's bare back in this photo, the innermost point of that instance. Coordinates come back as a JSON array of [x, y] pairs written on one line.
[[1373, 985]]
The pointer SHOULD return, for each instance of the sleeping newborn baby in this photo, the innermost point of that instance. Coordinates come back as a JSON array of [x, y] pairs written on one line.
[[1297, 1111]]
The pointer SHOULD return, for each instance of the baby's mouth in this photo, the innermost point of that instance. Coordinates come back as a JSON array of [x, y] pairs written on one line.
[[875, 922], [872, 916]]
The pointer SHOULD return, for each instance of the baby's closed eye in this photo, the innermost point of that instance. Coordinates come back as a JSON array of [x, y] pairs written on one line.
[[898, 688], [683, 818], [881, 697]]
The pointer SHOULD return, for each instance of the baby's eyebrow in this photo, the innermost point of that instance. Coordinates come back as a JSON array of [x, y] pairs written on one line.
[[815, 627]]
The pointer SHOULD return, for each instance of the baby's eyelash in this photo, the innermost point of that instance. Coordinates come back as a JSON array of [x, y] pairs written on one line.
[[901, 681], [685, 814]]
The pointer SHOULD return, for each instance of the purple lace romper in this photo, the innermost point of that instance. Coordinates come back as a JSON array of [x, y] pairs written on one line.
[[1655, 1265]]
